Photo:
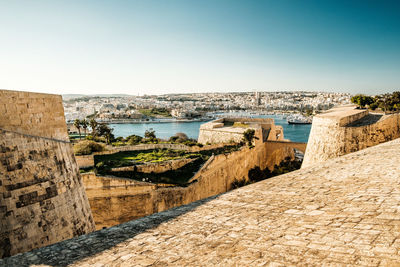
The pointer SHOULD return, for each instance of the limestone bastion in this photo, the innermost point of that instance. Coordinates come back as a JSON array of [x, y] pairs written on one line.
[[225, 130], [42, 198], [344, 130]]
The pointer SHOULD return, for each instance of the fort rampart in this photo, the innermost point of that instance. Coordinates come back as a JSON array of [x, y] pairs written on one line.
[[224, 131], [42, 198], [345, 130], [33, 113], [114, 201]]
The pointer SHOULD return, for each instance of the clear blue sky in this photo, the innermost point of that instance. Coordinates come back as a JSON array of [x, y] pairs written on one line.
[[171, 46]]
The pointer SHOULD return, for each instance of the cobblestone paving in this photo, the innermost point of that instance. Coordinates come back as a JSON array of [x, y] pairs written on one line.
[[345, 211]]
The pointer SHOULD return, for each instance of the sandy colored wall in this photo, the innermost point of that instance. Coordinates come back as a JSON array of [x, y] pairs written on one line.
[[118, 202], [42, 199], [85, 161], [33, 113], [332, 136], [115, 200], [213, 136]]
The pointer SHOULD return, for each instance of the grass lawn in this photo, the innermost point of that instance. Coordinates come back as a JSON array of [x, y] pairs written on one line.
[[129, 158]]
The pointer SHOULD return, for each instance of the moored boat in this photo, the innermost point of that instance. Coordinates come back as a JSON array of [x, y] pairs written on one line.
[[299, 119]]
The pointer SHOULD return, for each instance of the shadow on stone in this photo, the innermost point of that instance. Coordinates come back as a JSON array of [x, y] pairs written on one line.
[[367, 120], [75, 249]]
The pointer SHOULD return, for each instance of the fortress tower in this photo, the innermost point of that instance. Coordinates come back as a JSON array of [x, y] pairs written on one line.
[[42, 198], [344, 130]]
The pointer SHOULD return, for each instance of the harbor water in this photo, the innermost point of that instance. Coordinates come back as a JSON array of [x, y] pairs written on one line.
[[164, 130]]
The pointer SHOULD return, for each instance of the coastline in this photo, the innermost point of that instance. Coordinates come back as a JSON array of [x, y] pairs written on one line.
[[148, 122]]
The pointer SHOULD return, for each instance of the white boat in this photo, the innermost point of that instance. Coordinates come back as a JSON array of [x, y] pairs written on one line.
[[299, 119]]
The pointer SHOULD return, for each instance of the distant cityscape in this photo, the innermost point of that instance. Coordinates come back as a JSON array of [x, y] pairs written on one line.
[[111, 108]]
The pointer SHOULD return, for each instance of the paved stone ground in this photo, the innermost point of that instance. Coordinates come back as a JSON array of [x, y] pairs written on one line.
[[342, 212]]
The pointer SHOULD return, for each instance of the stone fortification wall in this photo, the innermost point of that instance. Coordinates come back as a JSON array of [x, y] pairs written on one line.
[[220, 136], [118, 202], [42, 199], [33, 113], [217, 132], [344, 130], [343, 212], [115, 200]]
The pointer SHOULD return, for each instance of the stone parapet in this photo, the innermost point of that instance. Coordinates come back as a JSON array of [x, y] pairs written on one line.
[[342, 212], [344, 130], [224, 131], [33, 113]]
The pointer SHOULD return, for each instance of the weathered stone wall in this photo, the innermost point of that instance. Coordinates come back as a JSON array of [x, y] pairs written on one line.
[[118, 202], [115, 200], [343, 212], [344, 130], [85, 161], [42, 199], [215, 132], [213, 136], [33, 114]]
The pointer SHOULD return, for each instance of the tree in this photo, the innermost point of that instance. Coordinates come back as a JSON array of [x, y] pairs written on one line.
[[179, 137], [84, 124], [77, 124], [248, 136], [150, 134], [106, 132], [134, 139], [93, 124], [362, 100]]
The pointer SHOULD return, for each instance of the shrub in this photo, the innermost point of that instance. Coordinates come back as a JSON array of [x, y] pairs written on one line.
[[173, 139], [134, 139], [87, 147], [181, 137], [248, 136], [119, 143], [119, 139], [373, 106], [238, 183]]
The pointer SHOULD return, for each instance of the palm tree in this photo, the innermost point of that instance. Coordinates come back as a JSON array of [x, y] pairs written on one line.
[[85, 125], [93, 124], [77, 124]]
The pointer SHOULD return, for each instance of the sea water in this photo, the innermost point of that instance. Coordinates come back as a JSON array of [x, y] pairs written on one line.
[[164, 130]]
